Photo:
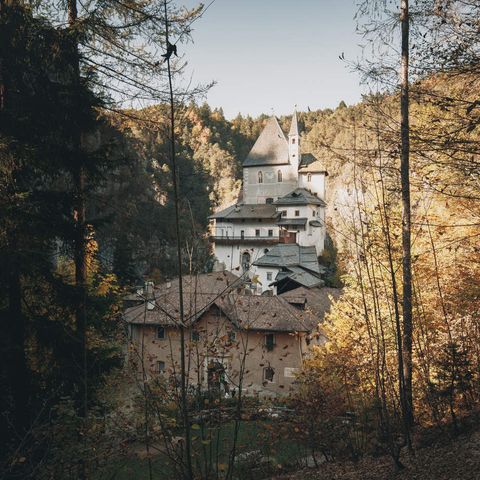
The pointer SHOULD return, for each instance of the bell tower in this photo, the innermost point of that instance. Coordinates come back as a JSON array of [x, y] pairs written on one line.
[[294, 144]]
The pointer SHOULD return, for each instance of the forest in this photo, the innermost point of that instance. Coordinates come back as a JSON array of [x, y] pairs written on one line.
[[100, 197]]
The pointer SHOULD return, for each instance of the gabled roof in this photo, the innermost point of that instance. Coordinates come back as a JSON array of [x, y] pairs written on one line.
[[199, 291], [266, 313], [271, 147], [300, 196], [290, 255], [294, 124], [219, 289], [261, 210], [310, 164], [300, 276], [318, 300]]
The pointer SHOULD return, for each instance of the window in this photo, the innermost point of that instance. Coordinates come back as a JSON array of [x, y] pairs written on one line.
[[309, 177], [297, 213], [257, 233], [270, 233], [268, 374], [160, 367], [269, 341], [260, 177], [279, 176], [269, 276], [161, 333], [284, 213], [314, 213], [269, 200], [194, 336], [293, 141], [242, 234], [265, 251]]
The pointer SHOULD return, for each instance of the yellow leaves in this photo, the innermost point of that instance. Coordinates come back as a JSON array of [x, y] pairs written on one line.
[[108, 284]]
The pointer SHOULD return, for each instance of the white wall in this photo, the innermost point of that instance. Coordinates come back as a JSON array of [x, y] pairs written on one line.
[[262, 273], [254, 192], [310, 236], [316, 185], [231, 255], [234, 229], [294, 150]]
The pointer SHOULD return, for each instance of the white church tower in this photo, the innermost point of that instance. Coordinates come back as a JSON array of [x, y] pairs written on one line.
[[294, 143]]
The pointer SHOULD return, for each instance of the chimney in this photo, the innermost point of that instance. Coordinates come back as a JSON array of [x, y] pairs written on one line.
[[149, 295]]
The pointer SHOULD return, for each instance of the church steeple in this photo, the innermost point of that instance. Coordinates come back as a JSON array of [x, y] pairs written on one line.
[[294, 143], [294, 125]]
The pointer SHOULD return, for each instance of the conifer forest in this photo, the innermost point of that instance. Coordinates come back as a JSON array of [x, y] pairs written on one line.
[[187, 294]]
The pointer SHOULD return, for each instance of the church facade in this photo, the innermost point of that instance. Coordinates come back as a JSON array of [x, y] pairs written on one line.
[[275, 234]]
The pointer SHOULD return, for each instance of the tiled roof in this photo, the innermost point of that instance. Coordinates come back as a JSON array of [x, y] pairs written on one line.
[[300, 276], [318, 300], [266, 313], [271, 147], [199, 291], [261, 210], [311, 165], [300, 196], [290, 255], [249, 312]]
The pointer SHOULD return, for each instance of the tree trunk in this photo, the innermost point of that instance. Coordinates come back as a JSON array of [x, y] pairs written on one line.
[[183, 371], [80, 243], [406, 220], [17, 368]]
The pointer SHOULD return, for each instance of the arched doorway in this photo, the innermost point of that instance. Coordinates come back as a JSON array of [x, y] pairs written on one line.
[[246, 258]]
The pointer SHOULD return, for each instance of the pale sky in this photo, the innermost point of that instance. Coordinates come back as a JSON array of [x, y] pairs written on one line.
[[273, 54]]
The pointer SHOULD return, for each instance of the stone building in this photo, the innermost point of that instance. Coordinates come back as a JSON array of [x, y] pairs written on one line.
[[283, 204], [233, 339]]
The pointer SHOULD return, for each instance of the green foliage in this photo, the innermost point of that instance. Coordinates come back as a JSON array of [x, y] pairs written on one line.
[[329, 259], [42, 108]]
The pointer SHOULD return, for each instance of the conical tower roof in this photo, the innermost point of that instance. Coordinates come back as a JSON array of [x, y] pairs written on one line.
[[271, 147], [294, 125]]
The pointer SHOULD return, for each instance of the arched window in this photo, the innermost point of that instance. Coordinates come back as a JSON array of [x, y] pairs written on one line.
[[269, 200], [279, 176], [260, 177], [245, 261], [309, 177], [293, 141]]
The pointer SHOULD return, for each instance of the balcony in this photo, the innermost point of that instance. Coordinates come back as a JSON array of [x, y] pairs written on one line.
[[232, 240], [287, 237]]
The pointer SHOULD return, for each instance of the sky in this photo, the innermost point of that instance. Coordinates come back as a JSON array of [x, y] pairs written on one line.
[[270, 55]]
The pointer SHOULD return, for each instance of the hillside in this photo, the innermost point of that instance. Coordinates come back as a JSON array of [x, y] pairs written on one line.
[[442, 459]]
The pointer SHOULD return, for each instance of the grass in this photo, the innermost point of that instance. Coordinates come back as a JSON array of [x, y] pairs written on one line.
[[269, 439]]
